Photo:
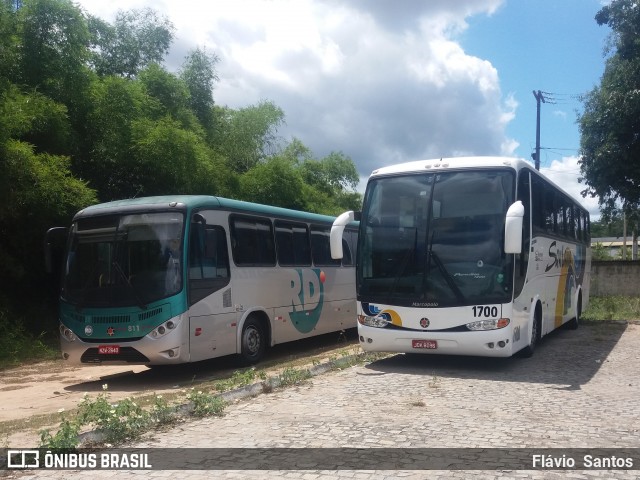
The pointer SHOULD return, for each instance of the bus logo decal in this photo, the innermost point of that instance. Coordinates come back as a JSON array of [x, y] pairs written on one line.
[[307, 298]]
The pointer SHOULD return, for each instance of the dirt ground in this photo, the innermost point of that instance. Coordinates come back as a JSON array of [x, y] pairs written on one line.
[[32, 397]]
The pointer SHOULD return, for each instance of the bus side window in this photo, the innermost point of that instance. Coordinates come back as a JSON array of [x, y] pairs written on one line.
[[320, 249], [208, 261]]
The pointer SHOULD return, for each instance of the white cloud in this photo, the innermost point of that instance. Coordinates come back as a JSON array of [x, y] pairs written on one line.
[[380, 81]]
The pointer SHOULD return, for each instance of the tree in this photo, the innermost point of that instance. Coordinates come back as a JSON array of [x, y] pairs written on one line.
[[53, 49], [274, 182], [610, 123], [248, 136], [199, 74], [136, 39]]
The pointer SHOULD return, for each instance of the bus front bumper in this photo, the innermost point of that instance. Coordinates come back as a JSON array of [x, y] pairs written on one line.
[[487, 343], [167, 350]]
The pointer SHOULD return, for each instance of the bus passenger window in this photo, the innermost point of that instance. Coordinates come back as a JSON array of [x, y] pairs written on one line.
[[208, 261]]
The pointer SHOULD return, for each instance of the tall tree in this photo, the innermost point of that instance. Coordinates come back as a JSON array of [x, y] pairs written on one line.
[[199, 74], [54, 48], [610, 122], [136, 39], [249, 135]]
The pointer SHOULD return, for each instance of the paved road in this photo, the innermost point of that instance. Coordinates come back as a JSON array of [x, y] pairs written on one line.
[[580, 390]]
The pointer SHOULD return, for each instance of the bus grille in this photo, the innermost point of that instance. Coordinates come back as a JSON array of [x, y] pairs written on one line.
[[127, 354], [151, 313], [110, 319]]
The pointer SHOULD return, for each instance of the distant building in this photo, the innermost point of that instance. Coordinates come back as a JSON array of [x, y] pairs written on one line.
[[614, 245]]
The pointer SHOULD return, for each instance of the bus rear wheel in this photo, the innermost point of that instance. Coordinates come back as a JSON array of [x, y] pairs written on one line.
[[253, 342], [575, 321]]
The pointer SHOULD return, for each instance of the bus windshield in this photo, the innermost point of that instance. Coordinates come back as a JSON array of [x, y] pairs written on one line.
[[123, 260], [436, 239]]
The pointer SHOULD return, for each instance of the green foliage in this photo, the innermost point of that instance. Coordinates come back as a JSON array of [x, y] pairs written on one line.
[[137, 39], [18, 345], [117, 422], [53, 48], [205, 404], [248, 135], [88, 113], [67, 436], [199, 74], [292, 376], [124, 420], [609, 127], [600, 252], [612, 308]]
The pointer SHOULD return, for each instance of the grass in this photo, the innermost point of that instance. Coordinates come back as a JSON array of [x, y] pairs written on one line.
[[612, 308], [18, 346], [129, 418]]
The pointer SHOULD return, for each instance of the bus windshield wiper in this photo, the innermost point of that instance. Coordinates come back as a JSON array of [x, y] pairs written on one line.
[[118, 269], [431, 255], [447, 276]]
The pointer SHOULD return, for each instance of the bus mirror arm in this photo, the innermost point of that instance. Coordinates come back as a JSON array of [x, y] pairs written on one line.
[[337, 229], [513, 228]]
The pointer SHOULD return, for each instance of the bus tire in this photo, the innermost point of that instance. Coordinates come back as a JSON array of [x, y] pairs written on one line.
[[253, 342], [527, 351], [574, 323]]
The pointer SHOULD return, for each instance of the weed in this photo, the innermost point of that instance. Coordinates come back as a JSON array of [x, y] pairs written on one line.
[[612, 308], [161, 412], [292, 376], [67, 436], [205, 403]]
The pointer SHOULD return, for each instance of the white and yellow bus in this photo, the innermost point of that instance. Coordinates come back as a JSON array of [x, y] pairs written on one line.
[[466, 256], [167, 280]]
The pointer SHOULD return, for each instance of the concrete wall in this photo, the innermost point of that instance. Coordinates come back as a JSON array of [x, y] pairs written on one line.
[[615, 278]]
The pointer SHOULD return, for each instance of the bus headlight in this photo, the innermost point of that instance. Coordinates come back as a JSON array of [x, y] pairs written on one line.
[[492, 324], [163, 329], [378, 321], [67, 333]]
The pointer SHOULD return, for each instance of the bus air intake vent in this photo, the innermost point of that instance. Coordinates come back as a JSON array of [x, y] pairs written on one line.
[[151, 313], [111, 319], [226, 298]]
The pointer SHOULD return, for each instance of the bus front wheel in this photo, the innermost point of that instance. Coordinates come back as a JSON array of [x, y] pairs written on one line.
[[253, 342], [535, 335]]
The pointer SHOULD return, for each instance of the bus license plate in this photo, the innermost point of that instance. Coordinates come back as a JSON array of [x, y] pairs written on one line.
[[428, 344], [109, 349]]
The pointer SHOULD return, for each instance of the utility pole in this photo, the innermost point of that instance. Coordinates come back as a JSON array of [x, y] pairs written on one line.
[[539, 98]]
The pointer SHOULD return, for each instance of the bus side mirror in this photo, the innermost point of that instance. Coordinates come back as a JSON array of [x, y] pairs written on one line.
[[513, 228], [335, 239], [53, 242]]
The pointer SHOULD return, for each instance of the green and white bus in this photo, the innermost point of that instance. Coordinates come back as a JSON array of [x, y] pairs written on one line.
[[466, 256], [168, 280]]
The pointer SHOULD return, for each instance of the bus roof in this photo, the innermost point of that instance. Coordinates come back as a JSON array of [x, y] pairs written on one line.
[[452, 163], [191, 202]]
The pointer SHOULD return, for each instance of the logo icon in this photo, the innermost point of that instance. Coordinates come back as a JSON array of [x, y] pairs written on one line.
[[307, 298], [23, 459], [424, 322], [110, 331], [88, 330]]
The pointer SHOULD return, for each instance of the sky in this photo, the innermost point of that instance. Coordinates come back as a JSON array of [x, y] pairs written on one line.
[[387, 81]]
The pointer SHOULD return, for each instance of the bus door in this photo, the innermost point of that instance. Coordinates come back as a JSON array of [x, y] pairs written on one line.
[[212, 314]]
